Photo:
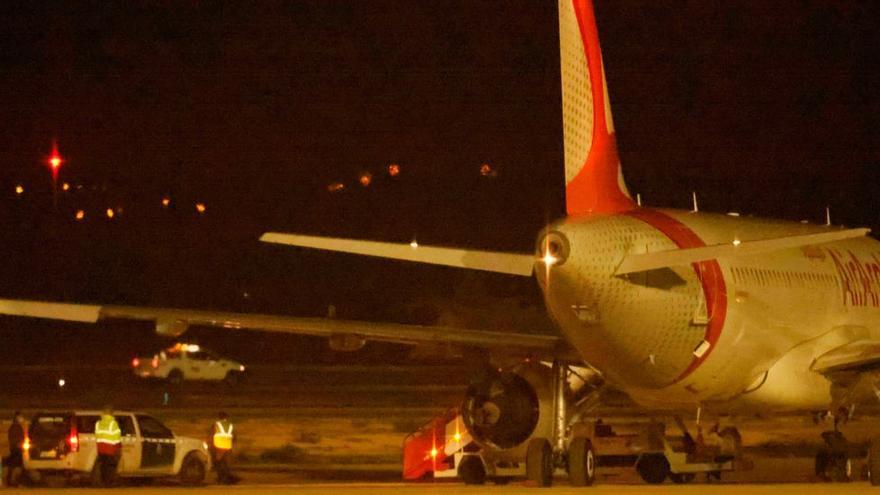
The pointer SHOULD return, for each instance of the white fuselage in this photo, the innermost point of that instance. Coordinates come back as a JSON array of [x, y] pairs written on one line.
[[740, 331]]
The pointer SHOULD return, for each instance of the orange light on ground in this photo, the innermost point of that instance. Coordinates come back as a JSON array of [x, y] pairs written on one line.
[[166, 202], [200, 207], [65, 187], [19, 189], [110, 213], [335, 187], [80, 214], [486, 170], [394, 170], [365, 179]]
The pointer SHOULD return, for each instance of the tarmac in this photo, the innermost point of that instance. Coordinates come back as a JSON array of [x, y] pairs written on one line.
[[458, 489]]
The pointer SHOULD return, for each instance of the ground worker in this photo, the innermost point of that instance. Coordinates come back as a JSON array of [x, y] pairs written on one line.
[[222, 437], [108, 437], [14, 463]]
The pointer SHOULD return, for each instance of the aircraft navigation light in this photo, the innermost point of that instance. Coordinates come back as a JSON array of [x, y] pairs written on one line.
[[434, 452], [19, 189], [549, 259], [61, 382]]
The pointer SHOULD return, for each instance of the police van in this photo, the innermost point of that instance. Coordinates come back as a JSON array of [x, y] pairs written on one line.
[[63, 443]]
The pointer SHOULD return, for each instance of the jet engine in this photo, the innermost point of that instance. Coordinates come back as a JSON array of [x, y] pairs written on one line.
[[502, 410]]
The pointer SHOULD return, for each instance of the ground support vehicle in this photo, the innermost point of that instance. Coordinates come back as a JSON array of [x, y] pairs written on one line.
[[61, 445], [185, 362], [431, 452]]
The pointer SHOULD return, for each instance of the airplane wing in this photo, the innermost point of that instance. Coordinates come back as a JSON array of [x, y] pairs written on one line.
[[352, 334], [676, 257], [499, 262]]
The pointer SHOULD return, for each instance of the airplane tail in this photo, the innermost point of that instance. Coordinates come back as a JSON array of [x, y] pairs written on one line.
[[593, 178]]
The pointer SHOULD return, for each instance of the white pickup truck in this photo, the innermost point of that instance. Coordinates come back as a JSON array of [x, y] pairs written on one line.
[[185, 362], [62, 444]]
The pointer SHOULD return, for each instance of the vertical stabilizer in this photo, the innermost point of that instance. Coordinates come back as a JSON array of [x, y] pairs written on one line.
[[593, 179]]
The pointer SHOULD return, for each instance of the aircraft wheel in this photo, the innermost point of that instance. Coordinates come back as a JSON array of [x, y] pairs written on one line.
[[539, 462], [874, 462], [581, 462], [471, 470], [682, 478], [653, 468]]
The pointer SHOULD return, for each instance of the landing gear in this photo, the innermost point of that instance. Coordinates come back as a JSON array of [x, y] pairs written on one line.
[[471, 470], [581, 462], [539, 462], [833, 462], [874, 462]]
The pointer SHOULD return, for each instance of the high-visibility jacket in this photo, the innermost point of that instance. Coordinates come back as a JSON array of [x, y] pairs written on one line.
[[108, 436], [223, 435]]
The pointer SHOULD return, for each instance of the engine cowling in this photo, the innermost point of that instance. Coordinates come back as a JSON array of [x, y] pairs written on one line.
[[503, 410]]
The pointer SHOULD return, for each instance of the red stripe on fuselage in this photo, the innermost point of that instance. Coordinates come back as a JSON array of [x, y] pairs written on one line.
[[708, 272], [595, 189]]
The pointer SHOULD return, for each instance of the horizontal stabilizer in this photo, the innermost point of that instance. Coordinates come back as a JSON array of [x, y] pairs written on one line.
[[677, 257], [510, 263]]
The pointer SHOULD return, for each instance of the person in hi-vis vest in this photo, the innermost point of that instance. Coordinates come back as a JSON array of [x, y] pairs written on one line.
[[222, 437], [108, 438]]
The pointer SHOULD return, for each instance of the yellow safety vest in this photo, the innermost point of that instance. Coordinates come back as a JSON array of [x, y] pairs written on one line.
[[223, 435], [107, 431]]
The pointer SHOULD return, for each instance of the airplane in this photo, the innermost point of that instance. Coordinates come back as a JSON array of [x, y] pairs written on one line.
[[684, 311]]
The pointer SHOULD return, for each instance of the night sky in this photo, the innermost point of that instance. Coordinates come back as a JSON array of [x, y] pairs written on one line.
[[765, 108]]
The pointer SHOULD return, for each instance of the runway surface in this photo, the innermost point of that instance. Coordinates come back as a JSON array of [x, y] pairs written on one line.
[[457, 489]]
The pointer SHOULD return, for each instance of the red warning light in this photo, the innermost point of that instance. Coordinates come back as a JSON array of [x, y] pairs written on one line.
[[55, 161]]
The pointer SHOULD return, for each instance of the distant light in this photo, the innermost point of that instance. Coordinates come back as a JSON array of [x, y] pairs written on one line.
[[549, 259], [119, 210], [65, 187], [486, 170], [457, 437], [80, 214], [434, 452], [737, 242], [62, 382], [135, 362], [166, 202], [335, 187], [394, 170], [19, 189], [110, 213], [365, 179], [241, 367], [55, 160], [414, 244], [200, 207]]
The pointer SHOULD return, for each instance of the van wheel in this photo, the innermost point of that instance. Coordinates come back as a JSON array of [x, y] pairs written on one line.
[[581, 462], [175, 376], [192, 471]]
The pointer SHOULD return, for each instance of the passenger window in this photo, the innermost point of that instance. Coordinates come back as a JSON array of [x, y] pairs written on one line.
[[152, 428], [126, 425], [86, 424]]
